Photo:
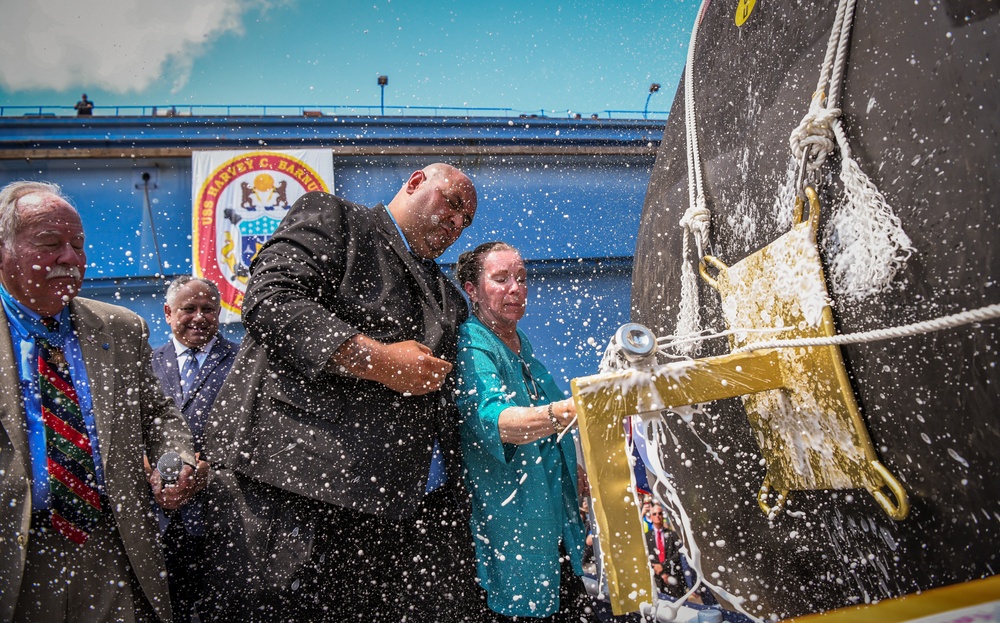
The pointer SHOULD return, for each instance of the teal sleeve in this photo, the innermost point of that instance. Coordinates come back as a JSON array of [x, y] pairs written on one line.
[[482, 397]]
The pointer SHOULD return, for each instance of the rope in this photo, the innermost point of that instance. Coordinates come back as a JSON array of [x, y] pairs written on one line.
[[613, 360], [697, 220], [815, 130], [864, 239], [671, 499], [927, 326]]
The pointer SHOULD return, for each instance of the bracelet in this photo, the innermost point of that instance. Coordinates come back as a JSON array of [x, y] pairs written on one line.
[[555, 423]]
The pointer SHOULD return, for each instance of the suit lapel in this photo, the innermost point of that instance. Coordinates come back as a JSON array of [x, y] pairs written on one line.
[[174, 377], [97, 348], [398, 245], [432, 311], [12, 416], [215, 357], [172, 382]]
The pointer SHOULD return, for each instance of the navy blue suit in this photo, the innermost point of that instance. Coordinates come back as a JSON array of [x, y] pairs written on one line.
[[206, 385], [184, 530]]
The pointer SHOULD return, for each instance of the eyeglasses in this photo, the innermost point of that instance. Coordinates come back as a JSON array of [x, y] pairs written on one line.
[[533, 392], [656, 514]]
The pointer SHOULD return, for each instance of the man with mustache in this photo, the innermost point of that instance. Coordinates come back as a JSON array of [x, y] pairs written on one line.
[[337, 424], [79, 411]]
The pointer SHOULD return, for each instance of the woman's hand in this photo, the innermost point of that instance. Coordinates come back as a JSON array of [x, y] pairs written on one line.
[[519, 425], [564, 412]]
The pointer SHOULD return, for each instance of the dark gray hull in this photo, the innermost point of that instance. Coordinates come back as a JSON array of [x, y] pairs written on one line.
[[922, 110]]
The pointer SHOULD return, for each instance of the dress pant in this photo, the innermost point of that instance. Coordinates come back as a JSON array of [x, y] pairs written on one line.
[[298, 559], [92, 582], [184, 555]]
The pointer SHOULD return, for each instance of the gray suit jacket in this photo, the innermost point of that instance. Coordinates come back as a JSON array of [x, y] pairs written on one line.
[[133, 419]]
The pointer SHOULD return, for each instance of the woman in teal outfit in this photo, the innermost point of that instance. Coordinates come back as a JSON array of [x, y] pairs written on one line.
[[526, 523]]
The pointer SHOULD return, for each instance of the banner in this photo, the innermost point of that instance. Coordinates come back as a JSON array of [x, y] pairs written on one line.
[[239, 197]]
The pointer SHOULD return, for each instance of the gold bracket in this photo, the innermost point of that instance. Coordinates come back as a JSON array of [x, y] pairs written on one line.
[[799, 401]]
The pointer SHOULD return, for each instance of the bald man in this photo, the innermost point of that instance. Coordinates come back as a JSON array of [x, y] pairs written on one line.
[[337, 423]]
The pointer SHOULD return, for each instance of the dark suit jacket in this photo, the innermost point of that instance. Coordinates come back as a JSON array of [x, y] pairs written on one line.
[[133, 419], [334, 269], [671, 560], [670, 548], [195, 408], [206, 384]]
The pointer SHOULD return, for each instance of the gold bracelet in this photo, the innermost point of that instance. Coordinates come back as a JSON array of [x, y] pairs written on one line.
[[555, 423]]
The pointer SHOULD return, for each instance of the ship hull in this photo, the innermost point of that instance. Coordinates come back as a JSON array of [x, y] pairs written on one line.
[[921, 107]]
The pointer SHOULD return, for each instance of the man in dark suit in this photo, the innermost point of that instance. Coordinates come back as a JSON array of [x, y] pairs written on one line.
[[662, 544], [337, 426], [79, 410], [191, 367]]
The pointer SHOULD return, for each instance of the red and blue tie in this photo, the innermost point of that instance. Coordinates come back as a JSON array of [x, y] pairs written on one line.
[[74, 499]]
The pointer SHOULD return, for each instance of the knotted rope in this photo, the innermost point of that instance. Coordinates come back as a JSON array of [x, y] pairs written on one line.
[[864, 240], [697, 220]]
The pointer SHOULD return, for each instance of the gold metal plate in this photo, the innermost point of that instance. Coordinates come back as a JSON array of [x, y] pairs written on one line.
[[601, 402], [810, 430]]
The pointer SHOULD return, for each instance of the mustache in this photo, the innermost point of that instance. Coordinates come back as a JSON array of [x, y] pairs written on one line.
[[58, 272]]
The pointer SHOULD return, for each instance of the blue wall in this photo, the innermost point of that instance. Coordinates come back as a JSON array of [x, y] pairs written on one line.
[[569, 196]]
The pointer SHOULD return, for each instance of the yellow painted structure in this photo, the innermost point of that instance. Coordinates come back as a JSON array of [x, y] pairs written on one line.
[[799, 402]]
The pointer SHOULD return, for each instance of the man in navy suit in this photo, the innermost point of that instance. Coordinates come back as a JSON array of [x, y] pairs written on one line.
[[664, 554], [191, 368]]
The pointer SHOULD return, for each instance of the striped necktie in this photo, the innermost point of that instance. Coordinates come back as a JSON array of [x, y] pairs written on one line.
[[190, 370], [74, 500]]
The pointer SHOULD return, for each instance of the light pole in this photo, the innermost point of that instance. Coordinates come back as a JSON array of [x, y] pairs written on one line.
[[382, 81], [653, 88]]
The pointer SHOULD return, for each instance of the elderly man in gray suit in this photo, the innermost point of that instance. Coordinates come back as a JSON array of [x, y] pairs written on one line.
[[79, 411]]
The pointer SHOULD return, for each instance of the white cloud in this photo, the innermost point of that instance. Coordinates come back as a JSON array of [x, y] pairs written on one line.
[[117, 45]]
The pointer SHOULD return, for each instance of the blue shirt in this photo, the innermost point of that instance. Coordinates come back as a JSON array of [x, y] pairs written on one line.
[[524, 497], [184, 353], [24, 325]]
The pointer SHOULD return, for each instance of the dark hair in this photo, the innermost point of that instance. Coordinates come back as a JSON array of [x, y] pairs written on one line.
[[470, 264]]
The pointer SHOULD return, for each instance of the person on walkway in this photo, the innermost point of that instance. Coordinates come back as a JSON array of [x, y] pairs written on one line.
[[84, 107]]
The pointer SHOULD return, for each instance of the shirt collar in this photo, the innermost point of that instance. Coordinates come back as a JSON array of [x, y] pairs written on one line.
[[401, 234], [30, 320], [180, 349]]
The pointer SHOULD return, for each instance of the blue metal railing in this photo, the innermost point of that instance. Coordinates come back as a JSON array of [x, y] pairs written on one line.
[[257, 110]]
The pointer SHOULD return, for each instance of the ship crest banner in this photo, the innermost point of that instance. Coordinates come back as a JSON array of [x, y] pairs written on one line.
[[239, 197]]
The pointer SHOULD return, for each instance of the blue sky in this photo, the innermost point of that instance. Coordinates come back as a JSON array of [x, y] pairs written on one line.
[[585, 56]]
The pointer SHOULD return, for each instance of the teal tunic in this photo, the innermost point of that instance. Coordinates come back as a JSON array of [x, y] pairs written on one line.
[[517, 542]]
